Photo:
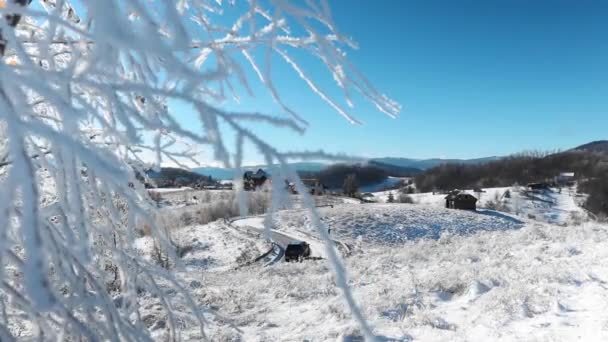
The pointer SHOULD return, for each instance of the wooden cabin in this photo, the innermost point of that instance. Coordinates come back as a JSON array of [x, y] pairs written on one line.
[[460, 200]]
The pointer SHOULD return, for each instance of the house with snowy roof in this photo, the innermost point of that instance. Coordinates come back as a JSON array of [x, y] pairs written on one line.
[[253, 180]]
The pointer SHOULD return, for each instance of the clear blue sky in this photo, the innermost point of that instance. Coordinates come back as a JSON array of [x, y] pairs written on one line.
[[475, 78]]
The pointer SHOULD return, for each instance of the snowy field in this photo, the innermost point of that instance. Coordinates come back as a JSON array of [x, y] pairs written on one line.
[[419, 274], [316, 245], [549, 206], [397, 223], [170, 190], [173, 197], [212, 247]]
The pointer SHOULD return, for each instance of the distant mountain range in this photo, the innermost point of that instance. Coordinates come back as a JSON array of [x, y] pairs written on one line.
[[424, 164], [594, 146], [398, 167], [215, 172], [402, 167], [224, 173]]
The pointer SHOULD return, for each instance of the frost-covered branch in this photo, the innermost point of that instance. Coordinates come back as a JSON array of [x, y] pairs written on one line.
[[87, 96]]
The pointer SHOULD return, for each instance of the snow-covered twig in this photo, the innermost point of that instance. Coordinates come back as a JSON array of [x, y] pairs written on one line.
[[87, 90]]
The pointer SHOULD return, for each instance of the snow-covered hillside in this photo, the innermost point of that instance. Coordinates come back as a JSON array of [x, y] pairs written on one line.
[[551, 206], [488, 277]]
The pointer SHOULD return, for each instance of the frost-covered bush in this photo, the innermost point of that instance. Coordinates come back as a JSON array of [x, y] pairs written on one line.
[[404, 198], [350, 186], [87, 90], [257, 203], [223, 205], [186, 218], [497, 203], [407, 190]]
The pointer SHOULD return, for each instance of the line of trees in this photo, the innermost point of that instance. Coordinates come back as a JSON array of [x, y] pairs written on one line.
[[596, 189], [169, 177], [335, 175], [590, 169], [522, 169]]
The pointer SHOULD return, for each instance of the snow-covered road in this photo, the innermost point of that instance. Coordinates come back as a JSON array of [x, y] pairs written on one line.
[[282, 238]]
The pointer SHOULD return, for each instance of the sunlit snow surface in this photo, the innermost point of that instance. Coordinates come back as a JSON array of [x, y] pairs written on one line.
[[395, 223], [551, 206], [488, 278]]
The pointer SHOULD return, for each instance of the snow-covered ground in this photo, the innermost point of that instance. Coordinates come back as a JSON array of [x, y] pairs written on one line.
[[212, 248], [170, 190], [418, 272], [396, 223], [551, 206], [316, 246]]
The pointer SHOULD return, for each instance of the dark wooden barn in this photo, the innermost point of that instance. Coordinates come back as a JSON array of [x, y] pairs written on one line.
[[460, 200]]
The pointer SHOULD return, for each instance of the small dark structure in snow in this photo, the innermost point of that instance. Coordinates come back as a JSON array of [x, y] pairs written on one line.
[[460, 200], [297, 251], [315, 186], [290, 187], [538, 186], [252, 181], [565, 179]]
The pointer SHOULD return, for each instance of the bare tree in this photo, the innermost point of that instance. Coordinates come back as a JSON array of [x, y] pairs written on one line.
[[86, 89], [351, 185]]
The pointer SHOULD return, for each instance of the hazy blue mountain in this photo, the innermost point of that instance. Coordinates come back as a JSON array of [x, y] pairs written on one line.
[[395, 170], [398, 166], [222, 173], [215, 172], [424, 164]]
